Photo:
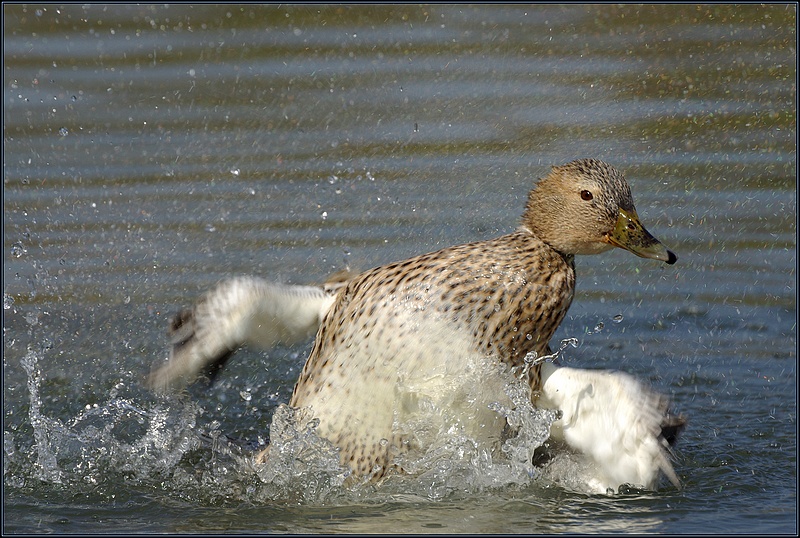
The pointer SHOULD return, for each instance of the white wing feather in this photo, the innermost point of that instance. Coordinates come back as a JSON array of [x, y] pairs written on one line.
[[238, 311], [614, 420]]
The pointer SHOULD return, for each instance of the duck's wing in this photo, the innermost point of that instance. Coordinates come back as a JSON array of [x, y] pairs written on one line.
[[238, 311], [619, 423]]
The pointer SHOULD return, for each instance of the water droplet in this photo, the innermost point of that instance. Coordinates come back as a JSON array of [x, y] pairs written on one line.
[[7, 301], [599, 327], [617, 319], [384, 442], [573, 342], [235, 171], [63, 131], [17, 250], [246, 396], [324, 215]]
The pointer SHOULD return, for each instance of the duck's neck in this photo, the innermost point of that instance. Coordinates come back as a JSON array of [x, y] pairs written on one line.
[[542, 217], [530, 234]]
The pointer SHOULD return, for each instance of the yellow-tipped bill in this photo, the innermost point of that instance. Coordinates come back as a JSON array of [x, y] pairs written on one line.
[[632, 236]]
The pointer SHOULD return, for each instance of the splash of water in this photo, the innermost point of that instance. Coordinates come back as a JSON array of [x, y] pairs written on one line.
[[482, 439], [46, 465], [301, 466], [533, 358], [103, 441], [156, 442]]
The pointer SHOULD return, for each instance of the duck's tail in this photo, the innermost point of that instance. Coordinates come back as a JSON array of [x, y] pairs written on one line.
[[622, 426], [238, 311]]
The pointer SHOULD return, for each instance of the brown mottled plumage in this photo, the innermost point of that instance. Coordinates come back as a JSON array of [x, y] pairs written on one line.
[[399, 332], [503, 297]]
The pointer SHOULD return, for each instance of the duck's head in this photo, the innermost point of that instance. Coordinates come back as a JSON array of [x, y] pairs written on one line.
[[586, 207]]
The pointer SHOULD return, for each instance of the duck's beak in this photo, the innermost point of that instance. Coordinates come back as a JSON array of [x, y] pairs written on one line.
[[629, 234]]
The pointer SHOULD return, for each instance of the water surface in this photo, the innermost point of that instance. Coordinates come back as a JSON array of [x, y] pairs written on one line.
[[150, 151]]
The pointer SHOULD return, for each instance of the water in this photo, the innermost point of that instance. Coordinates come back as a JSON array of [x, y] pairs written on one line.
[[150, 151]]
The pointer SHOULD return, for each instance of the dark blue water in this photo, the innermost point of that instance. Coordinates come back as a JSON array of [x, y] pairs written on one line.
[[150, 151]]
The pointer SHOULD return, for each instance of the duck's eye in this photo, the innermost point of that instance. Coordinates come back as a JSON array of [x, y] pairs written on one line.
[[586, 195]]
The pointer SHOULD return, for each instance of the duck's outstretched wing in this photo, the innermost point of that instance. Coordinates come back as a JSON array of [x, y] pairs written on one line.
[[238, 311], [616, 421]]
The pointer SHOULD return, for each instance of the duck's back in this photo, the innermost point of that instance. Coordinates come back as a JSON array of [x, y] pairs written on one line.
[[411, 333]]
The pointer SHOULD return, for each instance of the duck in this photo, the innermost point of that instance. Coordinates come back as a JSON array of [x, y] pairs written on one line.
[[410, 336]]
